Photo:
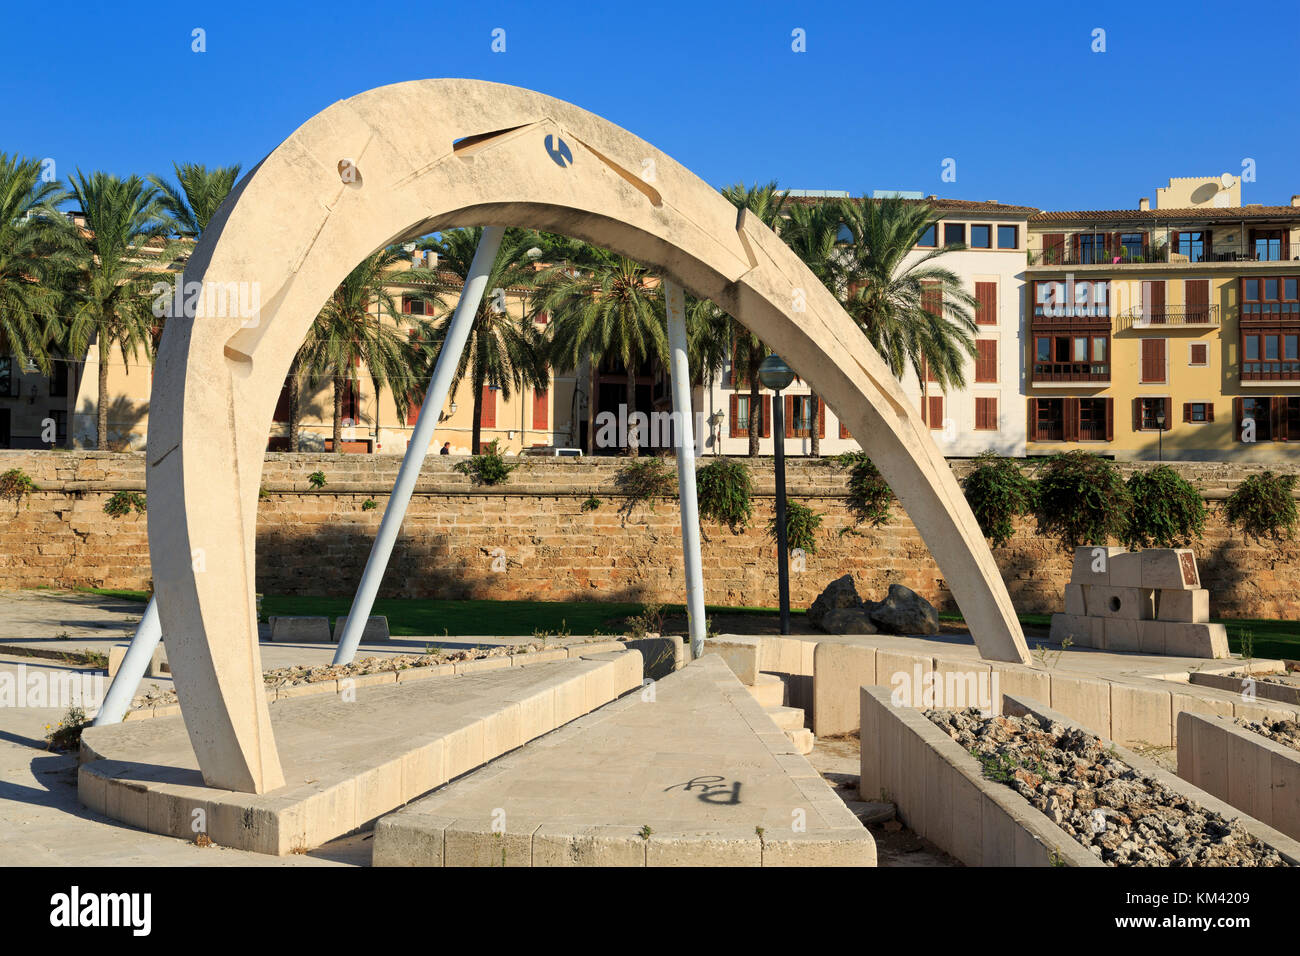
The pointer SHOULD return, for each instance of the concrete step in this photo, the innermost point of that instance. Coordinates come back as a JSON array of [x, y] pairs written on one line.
[[769, 690], [802, 739], [787, 718]]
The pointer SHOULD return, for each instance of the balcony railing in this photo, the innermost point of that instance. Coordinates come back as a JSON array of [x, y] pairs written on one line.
[[1067, 372], [1134, 254], [1164, 316], [1270, 371]]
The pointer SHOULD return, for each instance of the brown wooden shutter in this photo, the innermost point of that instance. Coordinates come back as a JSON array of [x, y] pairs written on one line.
[[932, 298], [1137, 414], [1198, 300], [734, 427], [1169, 414], [767, 417], [1053, 247], [541, 409], [1070, 425], [1237, 411], [1110, 419], [488, 414], [788, 405], [844, 431], [1032, 419], [1209, 411], [986, 303], [1200, 353], [1278, 408], [1187, 411], [1153, 360], [986, 360], [1173, 244], [936, 411], [821, 417]]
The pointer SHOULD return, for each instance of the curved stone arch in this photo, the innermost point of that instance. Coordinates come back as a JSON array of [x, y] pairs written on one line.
[[401, 161]]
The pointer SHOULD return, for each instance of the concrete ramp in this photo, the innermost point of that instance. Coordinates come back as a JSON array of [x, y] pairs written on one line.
[[692, 771]]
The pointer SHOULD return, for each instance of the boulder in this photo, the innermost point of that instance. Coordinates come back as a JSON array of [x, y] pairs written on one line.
[[847, 620], [905, 612], [839, 594]]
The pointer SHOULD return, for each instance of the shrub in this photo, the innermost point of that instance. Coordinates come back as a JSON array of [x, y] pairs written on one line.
[[869, 495], [724, 488], [1263, 506], [316, 479], [1082, 500], [489, 468], [16, 484], [1167, 512], [801, 524], [370, 504], [123, 502], [644, 479], [591, 504], [998, 492]]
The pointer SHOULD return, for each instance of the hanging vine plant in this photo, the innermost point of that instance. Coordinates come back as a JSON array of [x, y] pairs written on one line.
[[801, 524], [870, 497], [724, 490]]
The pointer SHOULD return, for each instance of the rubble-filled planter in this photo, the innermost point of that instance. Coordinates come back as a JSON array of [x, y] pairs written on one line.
[[1281, 687], [1253, 765]]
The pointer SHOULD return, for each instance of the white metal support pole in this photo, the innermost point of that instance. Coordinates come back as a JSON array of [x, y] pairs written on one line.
[[679, 368], [439, 385], [127, 681]]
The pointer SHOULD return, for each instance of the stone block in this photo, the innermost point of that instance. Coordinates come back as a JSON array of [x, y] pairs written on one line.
[[1092, 565], [557, 844], [1122, 634], [1077, 628], [1173, 568], [1020, 681], [1188, 606], [1196, 640], [375, 631], [840, 671], [157, 661], [1076, 599], [301, 630], [1083, 699], [744, 655], [1130, 604], [1151, 637], [1126, 569], [901, 669], [719, 848], [409, 840], [1141, 715]]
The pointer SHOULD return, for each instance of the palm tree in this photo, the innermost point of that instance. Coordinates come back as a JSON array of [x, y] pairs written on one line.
[[345, 335], [612, 310], [502, 352], [32, 236], [894, 302], [190, 205], [769, 204], [110, 298]]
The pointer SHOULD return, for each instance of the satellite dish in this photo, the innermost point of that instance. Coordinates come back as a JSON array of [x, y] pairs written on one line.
[[1227, 179]]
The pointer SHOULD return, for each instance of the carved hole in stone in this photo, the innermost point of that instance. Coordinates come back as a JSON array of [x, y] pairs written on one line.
[[349, 173], [1114, 605]]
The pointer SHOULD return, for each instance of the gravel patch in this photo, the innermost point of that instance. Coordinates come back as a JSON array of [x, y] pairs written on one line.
[[1121, 816], [1284, 732]]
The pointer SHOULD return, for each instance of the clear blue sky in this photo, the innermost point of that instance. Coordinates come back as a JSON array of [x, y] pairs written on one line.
[[1012, 92]]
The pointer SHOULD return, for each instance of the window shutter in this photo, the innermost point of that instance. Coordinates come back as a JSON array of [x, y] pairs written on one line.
[[1209, 411], [1187, 411], [1110, 419], [766, 417], [936, 411], [1153, 360], [413, 410], [1070, 426], [488, 417], [844, 431], [986, 360], [541, 409], [1137, 414], [1173, 243], [1169, 414], [733, 430], [789, 416], [1278, 407], [1032, 416], [1053, 246], [1198, 300], [821, 417], [1237, 412], [986, 303]]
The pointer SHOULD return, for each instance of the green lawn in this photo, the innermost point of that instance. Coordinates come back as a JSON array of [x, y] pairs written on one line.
[[410, 616]]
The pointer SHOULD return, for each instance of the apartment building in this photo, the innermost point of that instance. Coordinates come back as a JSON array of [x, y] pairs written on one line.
[[1168, 332]]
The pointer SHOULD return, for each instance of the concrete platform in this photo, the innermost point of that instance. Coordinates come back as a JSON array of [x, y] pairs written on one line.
[[347, 758], [695, 774]]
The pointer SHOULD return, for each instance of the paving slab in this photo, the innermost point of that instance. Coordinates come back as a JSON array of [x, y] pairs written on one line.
[[348, 758], [696, 773]]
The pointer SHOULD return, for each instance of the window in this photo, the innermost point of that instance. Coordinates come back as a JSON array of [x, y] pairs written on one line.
[[1198, 413], [59, 380], [1049, 419], [986, 360], [487, 417], [986, 303], [801, 418], [1199, 354], [541, 409], [741, 419], [351, 403], [986, 413], [1256, 412], [1065, 358], [1092, 419], [1153, 360], [981, 237], [8, 377], [929, 238], [1193, 245], [1008, 237], [1152, 415], [954, 233], [1092, 248], [1132, 245], [936, 412], [60, 417], [1075, 299], [1270, 319], [1268, 244], [412, 305]]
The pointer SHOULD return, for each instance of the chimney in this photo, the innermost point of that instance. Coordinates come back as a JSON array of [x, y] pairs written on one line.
[[1144, 204], [1295, 200]]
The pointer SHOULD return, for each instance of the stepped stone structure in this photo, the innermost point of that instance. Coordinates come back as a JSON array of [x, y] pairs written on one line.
[[1147, 601]]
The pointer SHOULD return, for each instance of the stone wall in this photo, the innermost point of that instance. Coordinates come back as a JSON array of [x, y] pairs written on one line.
[[316, 542]]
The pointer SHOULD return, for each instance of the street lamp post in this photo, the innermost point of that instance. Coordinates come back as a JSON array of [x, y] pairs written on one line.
[[1160, 435], [776, 375]]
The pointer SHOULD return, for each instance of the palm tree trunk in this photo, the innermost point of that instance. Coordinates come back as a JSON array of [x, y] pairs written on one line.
[[815, 443], [591, 406], [101, 411], [295, 408], [339, 382], [633, 438], [476, 435]]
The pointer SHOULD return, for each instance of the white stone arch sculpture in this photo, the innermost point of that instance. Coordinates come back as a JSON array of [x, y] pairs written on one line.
[[401, 161]]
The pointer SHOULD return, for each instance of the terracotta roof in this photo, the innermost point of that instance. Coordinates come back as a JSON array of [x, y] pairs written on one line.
[[955, 205], [1225, 213]]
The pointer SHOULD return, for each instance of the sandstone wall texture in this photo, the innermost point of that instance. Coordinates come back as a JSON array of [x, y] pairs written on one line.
[[530, 539]]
